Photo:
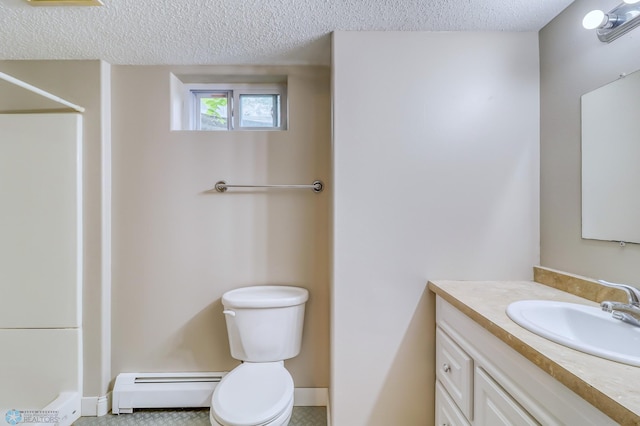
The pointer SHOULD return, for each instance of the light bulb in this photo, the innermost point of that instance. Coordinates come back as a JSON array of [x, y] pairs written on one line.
[[631, 1], [595, 19]]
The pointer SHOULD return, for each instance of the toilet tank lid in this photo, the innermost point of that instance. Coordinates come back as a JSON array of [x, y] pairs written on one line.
[[268, 296]]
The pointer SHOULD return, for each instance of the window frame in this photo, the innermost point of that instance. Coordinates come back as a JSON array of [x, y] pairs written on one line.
[[195, 92]]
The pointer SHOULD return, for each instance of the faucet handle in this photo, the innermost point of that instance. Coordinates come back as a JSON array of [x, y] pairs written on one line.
[[632, 293]]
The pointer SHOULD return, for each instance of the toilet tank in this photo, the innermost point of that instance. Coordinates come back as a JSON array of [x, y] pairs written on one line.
[[265, 323]]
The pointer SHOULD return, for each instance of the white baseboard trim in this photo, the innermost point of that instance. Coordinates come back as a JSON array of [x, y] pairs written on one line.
[[311, 397], [95, 406]]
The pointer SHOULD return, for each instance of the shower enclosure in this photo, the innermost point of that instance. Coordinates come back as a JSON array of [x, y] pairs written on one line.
[[40, 265]]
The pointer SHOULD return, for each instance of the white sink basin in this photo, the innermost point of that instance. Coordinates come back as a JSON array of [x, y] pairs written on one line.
[[585, 328]]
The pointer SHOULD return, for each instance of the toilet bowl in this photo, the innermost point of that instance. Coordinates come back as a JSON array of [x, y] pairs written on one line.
[[264, 326], [253, 394]]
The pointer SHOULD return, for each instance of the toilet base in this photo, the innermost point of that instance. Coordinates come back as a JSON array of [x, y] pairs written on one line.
[[282, 420]]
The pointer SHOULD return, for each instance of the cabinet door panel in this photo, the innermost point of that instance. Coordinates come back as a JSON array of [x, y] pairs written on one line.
[[454, 369], [447, 413], [494, 407]]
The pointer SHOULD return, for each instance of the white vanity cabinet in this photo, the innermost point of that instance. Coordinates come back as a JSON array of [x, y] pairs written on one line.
[[481, 381]]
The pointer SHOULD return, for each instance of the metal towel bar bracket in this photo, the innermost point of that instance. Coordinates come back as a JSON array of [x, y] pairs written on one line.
[[317, 186]]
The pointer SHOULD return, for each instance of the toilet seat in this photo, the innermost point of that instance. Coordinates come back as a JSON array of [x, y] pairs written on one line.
[[253, 394]]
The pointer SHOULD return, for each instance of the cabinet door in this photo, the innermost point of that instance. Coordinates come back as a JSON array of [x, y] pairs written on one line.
[[447, 413], [494, 407], [454, 369]]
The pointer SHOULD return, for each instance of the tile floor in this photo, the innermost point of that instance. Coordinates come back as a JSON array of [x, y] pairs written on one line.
[[302, 416]]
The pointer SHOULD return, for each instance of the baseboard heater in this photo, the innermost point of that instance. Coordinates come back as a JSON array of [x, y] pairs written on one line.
[[163, 390]]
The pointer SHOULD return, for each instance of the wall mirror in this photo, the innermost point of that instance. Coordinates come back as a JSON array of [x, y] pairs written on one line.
[[611, 161]]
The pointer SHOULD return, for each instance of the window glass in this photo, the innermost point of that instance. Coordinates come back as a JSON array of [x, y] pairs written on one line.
[[214, 111], [257, 110]]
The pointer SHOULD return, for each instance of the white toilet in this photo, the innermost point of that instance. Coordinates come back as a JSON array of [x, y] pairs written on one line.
[[264, 324]]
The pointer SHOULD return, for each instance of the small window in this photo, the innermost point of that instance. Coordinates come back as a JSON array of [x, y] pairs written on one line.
[[238, 106]]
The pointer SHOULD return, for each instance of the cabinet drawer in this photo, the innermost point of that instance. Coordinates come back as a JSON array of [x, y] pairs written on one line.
[[454, 369], [447, 413], [495, 407]]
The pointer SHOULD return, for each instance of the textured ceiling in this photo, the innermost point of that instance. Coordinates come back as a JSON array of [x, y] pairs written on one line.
[[241, 31]]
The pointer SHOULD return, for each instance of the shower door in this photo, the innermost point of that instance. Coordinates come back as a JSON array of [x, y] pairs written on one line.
[[40, 258]]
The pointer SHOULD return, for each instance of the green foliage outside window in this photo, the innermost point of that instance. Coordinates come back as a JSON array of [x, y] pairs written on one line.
[[214, 105], [216, 108]]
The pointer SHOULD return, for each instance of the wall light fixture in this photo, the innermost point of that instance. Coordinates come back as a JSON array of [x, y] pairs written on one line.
[[620, 20]]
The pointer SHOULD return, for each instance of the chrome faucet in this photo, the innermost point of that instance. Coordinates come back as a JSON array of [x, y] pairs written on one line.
[[625, 312]]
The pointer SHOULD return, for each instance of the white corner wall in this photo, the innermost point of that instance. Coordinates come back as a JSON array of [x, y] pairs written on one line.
[[436, 176]]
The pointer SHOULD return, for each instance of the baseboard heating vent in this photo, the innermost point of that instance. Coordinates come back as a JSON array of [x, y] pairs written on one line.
[[163, 390]]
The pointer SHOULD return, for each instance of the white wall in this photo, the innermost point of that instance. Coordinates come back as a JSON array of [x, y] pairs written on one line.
[[573, 62], [436, 176], [177, 248]]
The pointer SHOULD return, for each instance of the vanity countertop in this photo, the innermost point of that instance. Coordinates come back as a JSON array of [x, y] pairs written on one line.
[[611, 387]]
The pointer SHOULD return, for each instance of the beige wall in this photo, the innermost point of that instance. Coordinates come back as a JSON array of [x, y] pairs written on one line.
[[80, 82], [178, 248], [436, 176], [573, 62]]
